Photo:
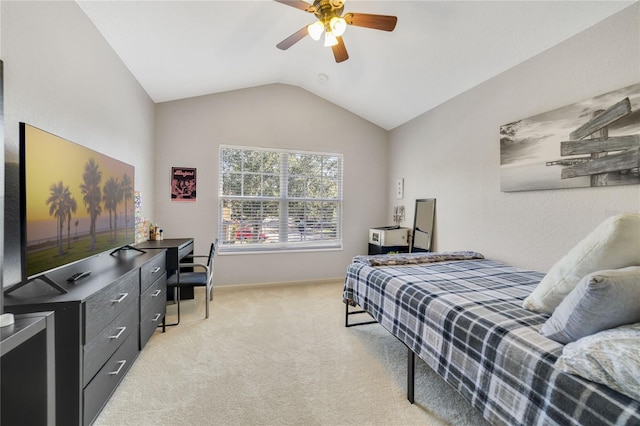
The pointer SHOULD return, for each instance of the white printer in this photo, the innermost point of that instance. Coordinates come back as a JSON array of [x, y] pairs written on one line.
[[389, 236]]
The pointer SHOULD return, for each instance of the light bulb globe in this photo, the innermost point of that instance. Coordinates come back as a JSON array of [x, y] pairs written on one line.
[[330, 39], [338, 26], [315, 30]]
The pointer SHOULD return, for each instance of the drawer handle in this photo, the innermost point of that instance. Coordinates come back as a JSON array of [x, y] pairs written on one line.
[[122, 329], [122, 363], [157, 317], [156, 293], [121, 298], [156, 269]]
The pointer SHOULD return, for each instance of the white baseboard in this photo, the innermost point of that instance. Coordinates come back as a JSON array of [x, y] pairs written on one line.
[[226, 287]]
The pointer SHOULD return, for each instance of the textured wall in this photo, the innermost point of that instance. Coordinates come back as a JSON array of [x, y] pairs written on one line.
[[452, 152], [62, 76], [190, 132]]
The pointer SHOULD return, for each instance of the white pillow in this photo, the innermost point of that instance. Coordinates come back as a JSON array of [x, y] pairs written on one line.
[[600, 301], [610, 357], [614, 244]]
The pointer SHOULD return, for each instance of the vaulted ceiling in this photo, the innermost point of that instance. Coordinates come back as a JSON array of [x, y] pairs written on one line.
[[439, 49]]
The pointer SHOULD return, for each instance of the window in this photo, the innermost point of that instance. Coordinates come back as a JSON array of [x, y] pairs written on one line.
[[279, 200]]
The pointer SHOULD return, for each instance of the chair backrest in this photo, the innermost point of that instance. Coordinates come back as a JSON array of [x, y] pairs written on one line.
[[212, 252]]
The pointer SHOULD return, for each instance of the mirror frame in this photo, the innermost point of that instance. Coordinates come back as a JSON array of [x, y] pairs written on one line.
[[424, 203]]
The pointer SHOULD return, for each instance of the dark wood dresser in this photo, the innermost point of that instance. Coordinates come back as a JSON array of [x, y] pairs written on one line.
[[101, 324]]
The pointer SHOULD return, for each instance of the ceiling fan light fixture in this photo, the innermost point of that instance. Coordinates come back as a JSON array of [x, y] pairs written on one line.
[[338, 26], [330, 39], [331, 21], [315, 30]]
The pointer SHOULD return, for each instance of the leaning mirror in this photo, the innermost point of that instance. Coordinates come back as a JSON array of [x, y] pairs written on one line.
[[423, 224]]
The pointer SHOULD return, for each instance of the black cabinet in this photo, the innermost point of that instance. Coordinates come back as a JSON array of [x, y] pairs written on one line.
[[376, 249], [99, 327], [27, 370]]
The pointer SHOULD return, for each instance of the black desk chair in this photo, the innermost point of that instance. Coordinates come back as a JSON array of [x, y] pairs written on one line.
[[197, 274]]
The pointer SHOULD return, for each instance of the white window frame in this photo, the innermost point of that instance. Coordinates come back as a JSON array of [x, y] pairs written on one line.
[[238, 235]]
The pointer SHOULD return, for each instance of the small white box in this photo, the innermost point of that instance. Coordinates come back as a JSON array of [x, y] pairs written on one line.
[[389, 236]]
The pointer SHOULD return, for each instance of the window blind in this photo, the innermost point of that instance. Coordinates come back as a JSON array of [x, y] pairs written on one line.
[[274, 200]]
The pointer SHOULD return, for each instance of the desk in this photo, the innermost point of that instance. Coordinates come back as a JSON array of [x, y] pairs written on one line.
[[177, 249], [28, 372]]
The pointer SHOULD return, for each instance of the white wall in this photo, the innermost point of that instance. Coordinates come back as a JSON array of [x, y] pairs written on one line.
[[189, 133], [452, 152], [62, 76]]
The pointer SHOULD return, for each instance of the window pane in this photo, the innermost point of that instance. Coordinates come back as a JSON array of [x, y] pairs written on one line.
[[331, 167], [231, 161], [232, 184], [271, 186], [311, 220], [252, 161], [297, 187], [330, 188], [315, 188], [251, 185], [271, 162], [250, 221]]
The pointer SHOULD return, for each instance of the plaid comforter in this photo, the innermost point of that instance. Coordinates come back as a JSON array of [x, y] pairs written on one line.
[[465, 319]]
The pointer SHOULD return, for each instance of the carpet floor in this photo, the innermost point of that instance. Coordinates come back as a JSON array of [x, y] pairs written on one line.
[[278, 355]]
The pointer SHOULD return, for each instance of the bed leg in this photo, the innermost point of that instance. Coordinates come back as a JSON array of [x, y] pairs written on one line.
[[347, 313], [411, 372]]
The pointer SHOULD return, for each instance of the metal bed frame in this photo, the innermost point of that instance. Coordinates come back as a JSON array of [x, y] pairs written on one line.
[[411, 356]]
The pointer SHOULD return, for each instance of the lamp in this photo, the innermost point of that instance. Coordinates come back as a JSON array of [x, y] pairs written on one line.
[[315, 30], [330, 39], [338, 26]]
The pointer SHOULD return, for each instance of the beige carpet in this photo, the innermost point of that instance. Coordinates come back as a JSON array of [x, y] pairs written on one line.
[[278, 356]]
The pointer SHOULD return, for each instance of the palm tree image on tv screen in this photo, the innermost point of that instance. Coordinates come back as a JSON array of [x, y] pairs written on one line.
[[78, 202]]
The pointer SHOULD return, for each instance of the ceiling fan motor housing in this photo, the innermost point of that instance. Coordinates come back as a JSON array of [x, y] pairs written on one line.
[[327, 9]]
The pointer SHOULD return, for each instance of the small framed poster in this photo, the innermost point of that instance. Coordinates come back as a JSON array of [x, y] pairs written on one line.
[[183, 184]]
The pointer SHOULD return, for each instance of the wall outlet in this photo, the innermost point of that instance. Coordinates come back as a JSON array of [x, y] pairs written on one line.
[[400, 188]]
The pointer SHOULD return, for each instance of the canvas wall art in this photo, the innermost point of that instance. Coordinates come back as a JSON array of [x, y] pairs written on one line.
[[183, 184], [591, 143]]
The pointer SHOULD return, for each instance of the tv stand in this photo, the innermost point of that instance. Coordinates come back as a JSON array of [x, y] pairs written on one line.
[[41, 277], [100, 327], [127, 247]]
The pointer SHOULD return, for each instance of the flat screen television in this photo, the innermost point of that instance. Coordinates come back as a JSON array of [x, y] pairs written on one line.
[[74, 203]]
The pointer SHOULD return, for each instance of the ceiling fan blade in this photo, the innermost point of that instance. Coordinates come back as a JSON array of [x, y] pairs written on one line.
[[340, 51], [292, 39], [298, 4], [377, 22]]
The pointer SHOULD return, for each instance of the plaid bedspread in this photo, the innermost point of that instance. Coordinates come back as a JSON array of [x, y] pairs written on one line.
[[465, 319]]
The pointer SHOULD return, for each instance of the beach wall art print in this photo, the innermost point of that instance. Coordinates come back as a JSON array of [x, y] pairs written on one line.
[[591, 143]]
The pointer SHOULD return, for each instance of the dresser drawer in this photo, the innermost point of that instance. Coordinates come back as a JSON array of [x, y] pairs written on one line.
[[103, 384], [153, 305], [151, 271], [99, 349], [150, 322], [110, 302], [157, 291]]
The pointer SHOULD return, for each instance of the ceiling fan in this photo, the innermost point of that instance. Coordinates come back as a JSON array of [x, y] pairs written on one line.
[[333, 24]]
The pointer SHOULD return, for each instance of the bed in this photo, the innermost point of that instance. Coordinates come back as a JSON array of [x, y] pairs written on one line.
[[462, 314]]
